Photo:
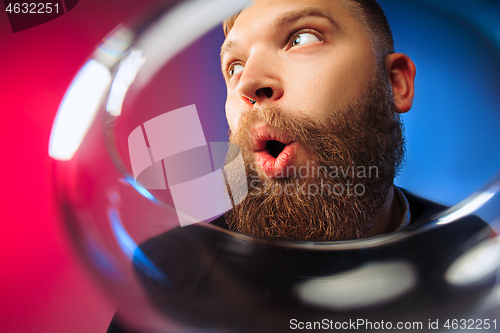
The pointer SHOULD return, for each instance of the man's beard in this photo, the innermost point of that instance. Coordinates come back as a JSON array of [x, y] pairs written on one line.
[[365, 135]]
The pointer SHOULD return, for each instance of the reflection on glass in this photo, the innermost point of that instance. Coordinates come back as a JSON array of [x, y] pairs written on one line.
[[147, 181]]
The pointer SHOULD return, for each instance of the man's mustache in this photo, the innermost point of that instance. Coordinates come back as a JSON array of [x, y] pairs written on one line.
[[294, 123]]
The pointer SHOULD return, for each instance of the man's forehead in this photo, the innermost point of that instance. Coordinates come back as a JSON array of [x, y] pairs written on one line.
[[263, 4], [277, 12], [274, 14]]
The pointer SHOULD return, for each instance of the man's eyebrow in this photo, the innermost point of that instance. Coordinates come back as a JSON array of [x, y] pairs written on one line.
[[285, 19], [228, 44], [296, 15]]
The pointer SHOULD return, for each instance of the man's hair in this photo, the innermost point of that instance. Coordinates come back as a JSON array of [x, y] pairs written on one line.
[[372, 17]]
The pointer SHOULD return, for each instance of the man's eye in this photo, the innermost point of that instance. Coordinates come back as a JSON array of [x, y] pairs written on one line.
[[304, 38], [235, 69]]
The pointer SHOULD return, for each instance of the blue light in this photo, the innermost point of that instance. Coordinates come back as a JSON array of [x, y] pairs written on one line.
[[133, 252], [141, 189]]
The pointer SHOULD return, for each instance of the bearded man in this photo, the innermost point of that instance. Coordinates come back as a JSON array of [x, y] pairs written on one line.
[[316, 86]]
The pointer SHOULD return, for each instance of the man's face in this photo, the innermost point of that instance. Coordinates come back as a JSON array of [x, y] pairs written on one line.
[[305, 91], [304, 56], [307, 57]]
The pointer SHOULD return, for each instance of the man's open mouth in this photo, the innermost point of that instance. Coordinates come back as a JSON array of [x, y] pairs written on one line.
[[275, 147], [274, 150]]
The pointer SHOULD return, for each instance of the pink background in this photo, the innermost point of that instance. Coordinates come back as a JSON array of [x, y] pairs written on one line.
[[43, 287]]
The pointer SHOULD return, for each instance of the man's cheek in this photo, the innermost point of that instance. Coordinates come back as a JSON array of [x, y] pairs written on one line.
[[233, 116]]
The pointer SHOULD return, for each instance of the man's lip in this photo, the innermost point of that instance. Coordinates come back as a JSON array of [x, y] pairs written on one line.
[[276, 167], [272, 167], [263, 133]]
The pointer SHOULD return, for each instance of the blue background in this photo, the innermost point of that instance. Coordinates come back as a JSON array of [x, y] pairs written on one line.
[[453, 129]]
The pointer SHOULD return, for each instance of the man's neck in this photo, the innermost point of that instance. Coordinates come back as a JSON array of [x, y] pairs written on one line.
[[390, 216]]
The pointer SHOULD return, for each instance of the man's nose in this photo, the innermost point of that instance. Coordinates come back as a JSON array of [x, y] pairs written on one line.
[[260, 81]]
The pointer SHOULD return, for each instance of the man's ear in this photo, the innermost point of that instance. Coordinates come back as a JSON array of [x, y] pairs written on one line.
[[401, 71]]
